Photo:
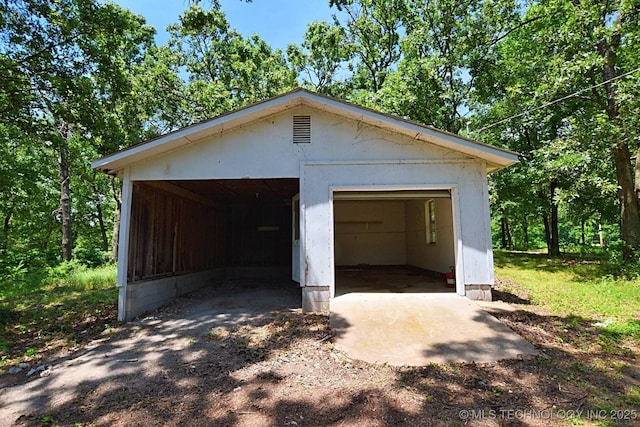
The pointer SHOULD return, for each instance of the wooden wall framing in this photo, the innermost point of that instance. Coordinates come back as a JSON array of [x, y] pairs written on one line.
[[172, 235]]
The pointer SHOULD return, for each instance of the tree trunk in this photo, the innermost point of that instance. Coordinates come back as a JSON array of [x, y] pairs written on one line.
[[601, 235], [583, 241], [629, 212], [503, 231], [4, 244], [637, 180], [115, 237], [551, 220], [628, 190], [103, 229], [65, 198], [525, 232], [554, 247], [547, 231]]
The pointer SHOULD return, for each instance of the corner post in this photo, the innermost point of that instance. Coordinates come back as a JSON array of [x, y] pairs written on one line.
[[123, 244]]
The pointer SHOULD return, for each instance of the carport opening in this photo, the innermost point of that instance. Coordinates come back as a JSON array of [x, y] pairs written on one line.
[[393, 241], [241, 228]]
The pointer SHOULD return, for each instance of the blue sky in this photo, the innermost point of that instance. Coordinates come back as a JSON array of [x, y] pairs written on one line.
[[278, 22]]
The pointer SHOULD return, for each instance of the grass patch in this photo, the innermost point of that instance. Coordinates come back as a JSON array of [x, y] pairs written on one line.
[[57, 309], [97, 278], [588, 328], [579, 366], [81, 277], [577, 287]]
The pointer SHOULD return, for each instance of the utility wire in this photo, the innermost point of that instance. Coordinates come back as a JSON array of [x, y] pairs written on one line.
[[555, 101]]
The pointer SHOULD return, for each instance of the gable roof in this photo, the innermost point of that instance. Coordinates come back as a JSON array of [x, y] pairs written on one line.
[[495, 157]]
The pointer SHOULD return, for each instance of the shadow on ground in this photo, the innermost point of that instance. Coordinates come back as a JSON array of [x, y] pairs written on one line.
[[508, 297], [258, 364], [40, 320], [583, 268]]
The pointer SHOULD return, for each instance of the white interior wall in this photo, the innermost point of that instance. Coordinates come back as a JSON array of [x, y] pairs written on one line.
[[370, 232], [437, 256]]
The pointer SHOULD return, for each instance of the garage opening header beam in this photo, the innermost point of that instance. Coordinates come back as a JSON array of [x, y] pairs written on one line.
[[390, 195]]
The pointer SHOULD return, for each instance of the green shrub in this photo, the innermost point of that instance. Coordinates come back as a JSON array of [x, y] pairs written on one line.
[[89, 255], [63, 270]]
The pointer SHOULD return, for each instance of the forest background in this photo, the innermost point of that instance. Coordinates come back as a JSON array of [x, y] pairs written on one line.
[[555, 80]]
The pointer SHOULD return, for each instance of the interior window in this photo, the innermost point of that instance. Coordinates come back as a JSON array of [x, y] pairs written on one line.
[[430, 223]]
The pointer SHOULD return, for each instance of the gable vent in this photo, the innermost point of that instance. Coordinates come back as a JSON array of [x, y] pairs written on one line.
[[301, 129]]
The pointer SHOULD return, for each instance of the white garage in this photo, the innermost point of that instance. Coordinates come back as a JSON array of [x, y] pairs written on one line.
[[301, 185]]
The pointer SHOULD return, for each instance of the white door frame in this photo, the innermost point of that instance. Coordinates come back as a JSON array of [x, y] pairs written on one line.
[[295, 243]]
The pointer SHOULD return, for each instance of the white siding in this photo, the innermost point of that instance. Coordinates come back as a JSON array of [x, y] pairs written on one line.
[[470, 210], [343, 154], [265, 150]]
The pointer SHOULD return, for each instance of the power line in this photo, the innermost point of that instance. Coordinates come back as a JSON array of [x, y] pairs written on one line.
[[555, 101]]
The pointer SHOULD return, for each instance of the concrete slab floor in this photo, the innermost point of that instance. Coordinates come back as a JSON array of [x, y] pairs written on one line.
[[418, 328], [401, 279]]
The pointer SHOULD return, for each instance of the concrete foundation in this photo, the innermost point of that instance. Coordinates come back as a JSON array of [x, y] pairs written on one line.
[[315, 299], [148, 295], [151, 294], [478, 292]]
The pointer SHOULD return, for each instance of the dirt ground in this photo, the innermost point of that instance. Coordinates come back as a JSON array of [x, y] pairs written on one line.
[[183, 366]]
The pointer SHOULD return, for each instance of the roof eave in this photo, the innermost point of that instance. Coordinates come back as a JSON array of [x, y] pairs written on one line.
[[196, 132]]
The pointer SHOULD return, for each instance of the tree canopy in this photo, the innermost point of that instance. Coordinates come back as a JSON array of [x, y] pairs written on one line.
[[555, 80]]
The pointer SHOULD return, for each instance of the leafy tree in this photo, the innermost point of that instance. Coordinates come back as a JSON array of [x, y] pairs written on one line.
[[28, 200], [80, 79], [66, 65], [373, 28], [421, 57], [225, 70], [575, 52], [440, 48], [321, 58], [587, 47], [160, 92]]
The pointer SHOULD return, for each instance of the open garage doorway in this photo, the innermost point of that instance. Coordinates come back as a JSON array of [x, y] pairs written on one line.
[[393, 241], [186, 234]]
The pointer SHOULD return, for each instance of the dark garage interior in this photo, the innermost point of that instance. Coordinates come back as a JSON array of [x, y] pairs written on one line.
[[181, 227]]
